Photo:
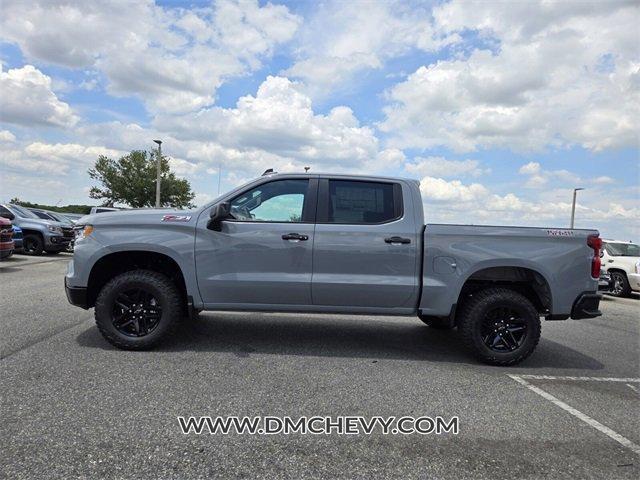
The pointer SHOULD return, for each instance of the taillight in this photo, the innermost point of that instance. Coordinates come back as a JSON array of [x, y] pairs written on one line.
[[595, 242]]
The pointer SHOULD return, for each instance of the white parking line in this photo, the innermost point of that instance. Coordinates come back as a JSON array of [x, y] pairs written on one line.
[[586, 379], [633, 387], [577, 413]]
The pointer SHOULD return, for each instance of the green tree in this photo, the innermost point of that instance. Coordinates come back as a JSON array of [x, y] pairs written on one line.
[[131, 180]]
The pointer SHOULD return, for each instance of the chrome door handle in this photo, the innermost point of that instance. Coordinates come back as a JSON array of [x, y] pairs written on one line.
[[295, 236], [397, 240]]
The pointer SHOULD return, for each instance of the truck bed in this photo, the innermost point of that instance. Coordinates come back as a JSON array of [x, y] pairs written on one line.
[[558, 259]]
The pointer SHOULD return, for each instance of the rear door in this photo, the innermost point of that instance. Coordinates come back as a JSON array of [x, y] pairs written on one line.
[[262, 256], [366, 246]]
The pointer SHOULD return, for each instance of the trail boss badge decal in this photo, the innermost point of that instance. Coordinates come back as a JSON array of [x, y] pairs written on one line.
[[560, 233], [176, 218]]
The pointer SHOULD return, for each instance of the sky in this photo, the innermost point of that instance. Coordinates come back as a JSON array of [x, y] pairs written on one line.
[[500, 109]]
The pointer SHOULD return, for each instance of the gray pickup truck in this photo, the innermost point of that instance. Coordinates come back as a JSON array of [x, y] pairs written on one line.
[[334, 244]]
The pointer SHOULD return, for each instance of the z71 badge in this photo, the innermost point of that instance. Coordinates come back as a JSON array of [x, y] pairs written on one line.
[[176, 218]]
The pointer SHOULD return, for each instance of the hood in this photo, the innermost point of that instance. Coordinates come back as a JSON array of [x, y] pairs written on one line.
[[139, 216]]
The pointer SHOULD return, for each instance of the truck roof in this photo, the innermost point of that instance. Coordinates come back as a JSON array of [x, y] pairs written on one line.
[[341, 175]]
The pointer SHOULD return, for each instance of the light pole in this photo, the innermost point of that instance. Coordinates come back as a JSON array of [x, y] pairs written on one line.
[[573, 205], [159, 142]]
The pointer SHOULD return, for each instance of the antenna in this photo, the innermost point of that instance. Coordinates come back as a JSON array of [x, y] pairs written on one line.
[[268, 171], [306, 169]]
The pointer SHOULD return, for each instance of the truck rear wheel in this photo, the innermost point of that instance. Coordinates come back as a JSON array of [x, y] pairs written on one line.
[[500, 326], [137, 309]]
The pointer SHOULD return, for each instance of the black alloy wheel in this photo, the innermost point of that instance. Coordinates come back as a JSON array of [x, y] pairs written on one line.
[[136, 312], [503, 329]]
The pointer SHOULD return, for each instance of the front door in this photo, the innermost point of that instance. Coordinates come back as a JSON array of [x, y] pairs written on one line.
[[262, 255], [365, 253]]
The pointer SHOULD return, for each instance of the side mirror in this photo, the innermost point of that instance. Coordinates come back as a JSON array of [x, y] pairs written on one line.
[[218, 213], [7, 215], [601, 253]]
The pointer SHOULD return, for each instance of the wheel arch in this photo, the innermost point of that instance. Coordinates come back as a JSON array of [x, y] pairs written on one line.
[[115, 263], [526, 280]]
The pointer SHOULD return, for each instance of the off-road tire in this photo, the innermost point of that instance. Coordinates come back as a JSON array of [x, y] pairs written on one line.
[[162, 288], [436, 323], [472, 313], [32, 244]]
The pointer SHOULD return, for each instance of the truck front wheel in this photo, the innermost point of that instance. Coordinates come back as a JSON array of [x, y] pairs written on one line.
[[137, 309], [500, 326]]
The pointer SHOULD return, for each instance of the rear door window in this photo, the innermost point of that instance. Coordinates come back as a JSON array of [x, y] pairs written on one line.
[[356, 202]]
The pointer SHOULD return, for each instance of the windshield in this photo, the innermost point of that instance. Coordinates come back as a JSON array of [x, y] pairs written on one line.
[[623, 249], [23, 212], [58, 217]]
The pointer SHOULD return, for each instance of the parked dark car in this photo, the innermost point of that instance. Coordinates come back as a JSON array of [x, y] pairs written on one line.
[[7, 245], [17, 238]]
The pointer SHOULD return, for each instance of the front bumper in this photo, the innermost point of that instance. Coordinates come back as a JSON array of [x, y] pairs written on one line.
[[76, 295], [586, 306], [57, 242]]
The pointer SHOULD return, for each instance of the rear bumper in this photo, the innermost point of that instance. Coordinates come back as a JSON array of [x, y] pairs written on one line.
[[586, 306], [76, 295]]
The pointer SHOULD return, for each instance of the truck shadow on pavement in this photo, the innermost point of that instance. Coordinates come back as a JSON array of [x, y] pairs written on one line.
[[324, 336]]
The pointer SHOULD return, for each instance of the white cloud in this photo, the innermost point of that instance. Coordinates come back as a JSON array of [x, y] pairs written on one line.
[[603, 180], [7, 136], [27, 99], [58, 158], [345, 38], [543, 85], [539, 177], [456, 202], [451, 191], [441, 167], [530, 168], [278, 127], [173, 59]]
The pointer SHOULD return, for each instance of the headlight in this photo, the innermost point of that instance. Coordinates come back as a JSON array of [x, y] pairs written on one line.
[[54, 229], [83, 231]]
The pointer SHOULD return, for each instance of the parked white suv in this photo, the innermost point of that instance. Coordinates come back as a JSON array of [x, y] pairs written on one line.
[[622, 260]]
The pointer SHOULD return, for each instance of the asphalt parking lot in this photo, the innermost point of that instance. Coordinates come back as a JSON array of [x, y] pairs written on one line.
[[75, 407]]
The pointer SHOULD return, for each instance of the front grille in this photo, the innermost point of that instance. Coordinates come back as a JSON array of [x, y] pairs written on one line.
[[67, 232], [6, 235]]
